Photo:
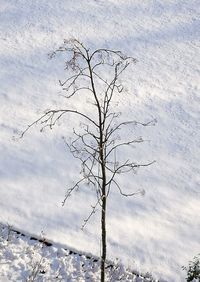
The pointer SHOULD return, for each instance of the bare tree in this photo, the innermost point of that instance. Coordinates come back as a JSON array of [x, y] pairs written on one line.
[[95, 74]]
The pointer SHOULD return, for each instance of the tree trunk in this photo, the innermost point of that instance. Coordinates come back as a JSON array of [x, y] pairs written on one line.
[[103, 208], [103, 235], [103, 171]]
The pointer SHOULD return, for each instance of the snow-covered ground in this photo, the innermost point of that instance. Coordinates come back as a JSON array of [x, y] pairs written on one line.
[[157, 233], [24, 258]]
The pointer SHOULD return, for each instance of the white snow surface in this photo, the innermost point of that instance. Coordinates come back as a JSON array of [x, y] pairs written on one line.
[[157, 233], [26, 259]]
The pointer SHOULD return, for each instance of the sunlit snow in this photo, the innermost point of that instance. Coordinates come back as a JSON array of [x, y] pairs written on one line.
[[156, 233]]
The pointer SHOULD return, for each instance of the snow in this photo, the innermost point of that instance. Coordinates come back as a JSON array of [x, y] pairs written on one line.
[[25, 258], [157, 233]]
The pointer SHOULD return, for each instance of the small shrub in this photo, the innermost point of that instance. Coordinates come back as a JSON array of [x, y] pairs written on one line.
[[193, 270]]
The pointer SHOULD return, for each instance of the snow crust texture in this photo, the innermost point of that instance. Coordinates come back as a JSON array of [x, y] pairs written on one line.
[[25, 259]]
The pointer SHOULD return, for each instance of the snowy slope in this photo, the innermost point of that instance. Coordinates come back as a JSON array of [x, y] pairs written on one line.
[[24, 258], [158, 232]]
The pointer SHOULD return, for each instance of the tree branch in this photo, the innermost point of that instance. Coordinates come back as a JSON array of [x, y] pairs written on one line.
[[127, 194], [49, 117]]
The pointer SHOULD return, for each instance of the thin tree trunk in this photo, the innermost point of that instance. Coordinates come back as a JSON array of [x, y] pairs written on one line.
[[103, 235], [103, 208], [103, 170]]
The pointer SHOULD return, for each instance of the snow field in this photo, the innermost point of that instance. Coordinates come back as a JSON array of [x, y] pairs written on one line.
[[157, 233]]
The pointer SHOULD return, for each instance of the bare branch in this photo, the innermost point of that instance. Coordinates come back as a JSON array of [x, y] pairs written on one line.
[[75, 91], [115, 52], [126, 167], [90, 215], [127, 194], [120, 125], [49, 118], [139, 140], [70, 190]]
